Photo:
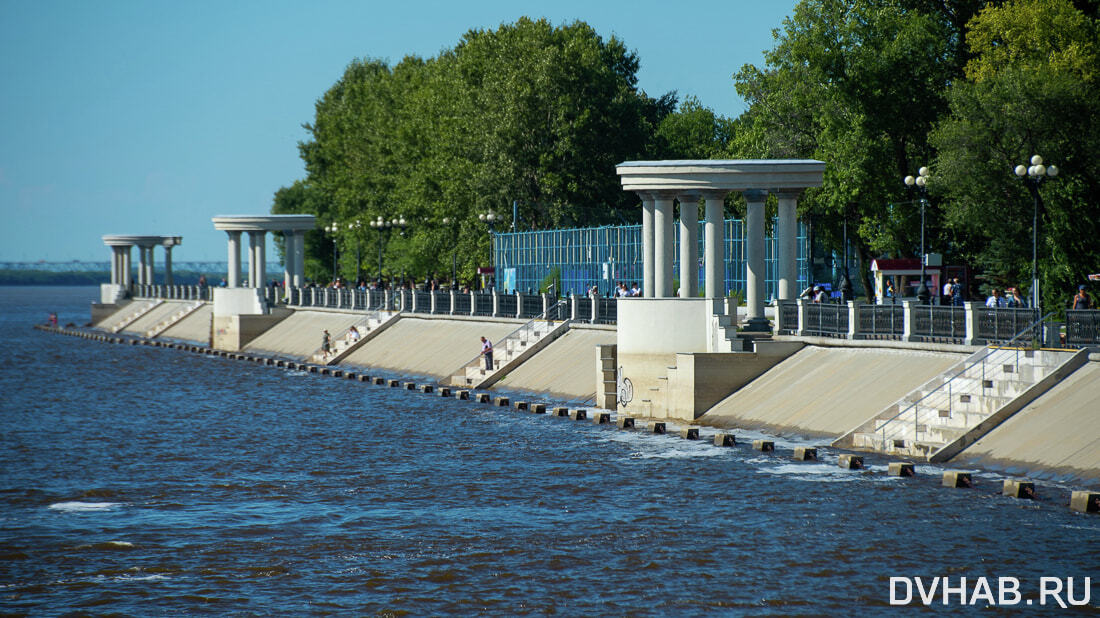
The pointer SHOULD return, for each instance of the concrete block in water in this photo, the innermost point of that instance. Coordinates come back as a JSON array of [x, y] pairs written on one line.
[[625, 422], [462, 395], [578, 415], [1025, 490], [805, 453], [395, 383], [380, 381], [901, 468], [1085, 502], [350, 375], [410, 386], [538, 408], [483, 398], [601, 418], [521, 405], [444, 391], [314, 368], [954, 478], [657, 427], [501, 402], [850, 462], [724, 439], [427, 388], [559, 411], [280, 363], [689, 433], [364, 378], [765, 446], [336, 373]]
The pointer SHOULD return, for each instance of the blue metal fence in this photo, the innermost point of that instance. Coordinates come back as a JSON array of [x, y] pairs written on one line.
[[604, 256]]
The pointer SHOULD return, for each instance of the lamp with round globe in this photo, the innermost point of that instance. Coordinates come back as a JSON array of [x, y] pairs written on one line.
[[1033, 175], [919, 183]]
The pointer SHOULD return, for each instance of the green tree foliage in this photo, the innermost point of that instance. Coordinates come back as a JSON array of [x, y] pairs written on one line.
[[528, 113], [1032, 88], [857, 84]]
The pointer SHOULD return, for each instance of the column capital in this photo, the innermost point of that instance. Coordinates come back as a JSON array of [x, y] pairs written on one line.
[[788, 194], [755, 195], [715, 196]]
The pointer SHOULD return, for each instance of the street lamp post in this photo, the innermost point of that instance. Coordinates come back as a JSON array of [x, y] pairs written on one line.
[[1033, 176], [332, 229], [845, 280], [448, 221], [919, 183], [354, 228], [380, 225], [489, 218]]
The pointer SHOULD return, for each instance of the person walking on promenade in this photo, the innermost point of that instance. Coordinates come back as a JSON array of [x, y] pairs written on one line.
[[326, 344], [946, 298], [1081, 300], [995, 299], [1015, 300], [956, 293], [487, 352]]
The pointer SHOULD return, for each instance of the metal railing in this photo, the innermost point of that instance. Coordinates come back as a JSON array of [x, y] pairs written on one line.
[[825, 319], [938, 323], [880, 321], [507, 305], [983, 365], [997, 324], [172, 292], [1082, 328], [786, 316], [483, 304]]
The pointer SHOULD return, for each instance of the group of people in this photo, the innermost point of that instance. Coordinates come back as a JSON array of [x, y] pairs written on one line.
[[1009, 298], [622, 291]]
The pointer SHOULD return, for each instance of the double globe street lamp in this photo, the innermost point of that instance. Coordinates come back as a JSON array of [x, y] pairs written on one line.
[[919, 183], [382, 225], [1033, 176], [332, 230]]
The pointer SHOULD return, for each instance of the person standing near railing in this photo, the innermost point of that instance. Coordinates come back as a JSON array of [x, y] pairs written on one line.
[[1081, 300], [995, 300]]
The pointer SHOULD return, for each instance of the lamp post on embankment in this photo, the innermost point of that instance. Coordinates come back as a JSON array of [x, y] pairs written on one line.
[[451, 223], [354, 228], [1033, 176], [489, 218], [919, 184], [332, 230]]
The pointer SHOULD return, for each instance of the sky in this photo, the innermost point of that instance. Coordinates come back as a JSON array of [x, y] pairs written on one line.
[[153, 116]]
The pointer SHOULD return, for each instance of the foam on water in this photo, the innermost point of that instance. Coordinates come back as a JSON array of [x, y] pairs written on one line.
[[83, 507]]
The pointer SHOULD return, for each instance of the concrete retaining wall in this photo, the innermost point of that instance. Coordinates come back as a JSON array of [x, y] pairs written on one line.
[[1057, 435], [166, 310], [827, 391], [564, 368], [429, 347], [299, 335], [195, 327]]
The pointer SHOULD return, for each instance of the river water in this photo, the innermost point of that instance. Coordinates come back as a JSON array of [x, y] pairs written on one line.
[[153, 481]]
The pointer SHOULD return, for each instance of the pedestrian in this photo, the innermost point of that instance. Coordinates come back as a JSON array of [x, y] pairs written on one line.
[[1015, 300], [326, 344], [995, 299], [946, 299], [634, 290], [1081, 300], [956, 293], [891, 293], [487, 352], [819, 294]]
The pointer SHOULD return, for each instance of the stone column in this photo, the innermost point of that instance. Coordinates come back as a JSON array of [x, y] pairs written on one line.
[[116, 266], [299, 258], [257, 257], [647, 245], [143, 272], [662, 246], [124, 257], [233, 277], [288, 260], [787, 245], [714, 246], [689, 246], [167, 264], [754, 259]]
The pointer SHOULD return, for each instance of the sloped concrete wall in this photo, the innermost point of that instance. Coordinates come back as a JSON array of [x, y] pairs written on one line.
[[1055, 436], [564, 368], [299, 335], [195, 327], [154, 317], [827, 391], [122, 313], [429, 347]]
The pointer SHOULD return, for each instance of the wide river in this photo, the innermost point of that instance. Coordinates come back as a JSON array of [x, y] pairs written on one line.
[[149, 481]]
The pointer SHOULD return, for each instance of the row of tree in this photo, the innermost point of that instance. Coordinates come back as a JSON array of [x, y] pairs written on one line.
[[539, 115]]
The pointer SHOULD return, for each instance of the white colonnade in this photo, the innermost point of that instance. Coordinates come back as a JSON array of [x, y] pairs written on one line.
[[293, 229], [659, 183], [121, 252]]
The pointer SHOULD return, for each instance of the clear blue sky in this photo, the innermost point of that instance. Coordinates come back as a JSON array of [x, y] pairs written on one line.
[[152, 116]]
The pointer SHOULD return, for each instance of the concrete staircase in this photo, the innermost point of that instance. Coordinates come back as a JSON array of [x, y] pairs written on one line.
[[511, 351], [136, 314], [167, 323], [953, 410], [341, 347]]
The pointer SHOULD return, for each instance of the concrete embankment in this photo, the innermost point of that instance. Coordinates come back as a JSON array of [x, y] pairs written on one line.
[[426, 346], [299, 335], [1055, 436], [195, 327], [566, 367], [825, 391], [153, 317]]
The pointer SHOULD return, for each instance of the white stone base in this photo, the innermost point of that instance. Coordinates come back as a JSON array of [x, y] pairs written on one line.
[[239, 301], [111, 293]]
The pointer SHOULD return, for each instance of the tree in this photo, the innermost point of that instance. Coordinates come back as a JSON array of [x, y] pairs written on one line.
[[1029, 90]]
